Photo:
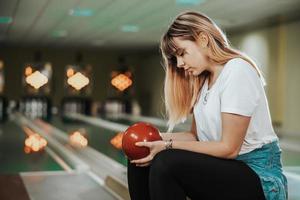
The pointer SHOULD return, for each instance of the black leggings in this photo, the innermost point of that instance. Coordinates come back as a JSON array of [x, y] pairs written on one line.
[[176, 174]]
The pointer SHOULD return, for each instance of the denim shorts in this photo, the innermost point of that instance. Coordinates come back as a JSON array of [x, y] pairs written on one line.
[[266, 162]]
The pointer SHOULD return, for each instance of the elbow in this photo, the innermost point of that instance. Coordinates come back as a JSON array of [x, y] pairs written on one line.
[[232, 153]]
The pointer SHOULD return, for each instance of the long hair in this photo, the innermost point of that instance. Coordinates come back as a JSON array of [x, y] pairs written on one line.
[[180, 89]]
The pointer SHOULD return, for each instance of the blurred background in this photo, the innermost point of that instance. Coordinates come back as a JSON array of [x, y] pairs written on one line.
[[74, 74]]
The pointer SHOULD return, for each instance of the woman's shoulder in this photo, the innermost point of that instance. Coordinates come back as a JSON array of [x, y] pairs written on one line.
[[239, 74], [239, 66], [238, 70]]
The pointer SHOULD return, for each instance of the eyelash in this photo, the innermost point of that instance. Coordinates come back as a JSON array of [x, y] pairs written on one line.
[[182, 53]]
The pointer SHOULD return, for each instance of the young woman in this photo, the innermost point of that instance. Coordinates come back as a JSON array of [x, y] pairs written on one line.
[[231, 151]]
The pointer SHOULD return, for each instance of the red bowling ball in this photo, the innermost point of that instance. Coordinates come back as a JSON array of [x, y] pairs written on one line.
[[139, 132]]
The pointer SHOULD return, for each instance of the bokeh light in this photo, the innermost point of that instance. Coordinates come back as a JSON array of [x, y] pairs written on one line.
[[36, 80], [77, 139], [34, 143], [78, 81], [121, 82], [116, 141]]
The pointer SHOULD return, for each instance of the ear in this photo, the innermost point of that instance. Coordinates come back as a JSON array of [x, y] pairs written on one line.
[[203, 40]]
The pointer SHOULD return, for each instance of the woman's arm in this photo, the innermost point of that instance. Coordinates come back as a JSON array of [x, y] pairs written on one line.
[[234, 128], [182, 136]]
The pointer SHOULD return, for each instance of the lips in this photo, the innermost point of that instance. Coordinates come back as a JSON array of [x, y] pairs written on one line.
[[186, 68], [189, 70]]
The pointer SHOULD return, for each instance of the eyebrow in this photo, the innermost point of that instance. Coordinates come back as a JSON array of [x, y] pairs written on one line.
[[179, 50]]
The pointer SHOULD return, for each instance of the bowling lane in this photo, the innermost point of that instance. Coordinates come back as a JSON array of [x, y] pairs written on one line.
[[98, 138], [13, 158]]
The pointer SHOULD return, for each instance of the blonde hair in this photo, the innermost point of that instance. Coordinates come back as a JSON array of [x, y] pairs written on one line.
[[180, 89]]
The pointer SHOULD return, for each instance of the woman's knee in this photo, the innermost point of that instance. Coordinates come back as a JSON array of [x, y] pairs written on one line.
[[166, 162], [176, 160], [161, 163]]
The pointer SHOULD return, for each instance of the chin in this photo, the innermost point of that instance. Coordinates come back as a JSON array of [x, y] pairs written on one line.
[[196, 73]]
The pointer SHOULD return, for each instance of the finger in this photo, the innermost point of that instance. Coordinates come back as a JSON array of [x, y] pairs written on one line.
[[143, 165], [143, 160], [142, 144]]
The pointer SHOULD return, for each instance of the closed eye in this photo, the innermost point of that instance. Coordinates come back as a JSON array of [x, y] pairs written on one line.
[[180, 52]]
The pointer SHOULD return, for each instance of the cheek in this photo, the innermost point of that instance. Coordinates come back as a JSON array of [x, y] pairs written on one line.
[[198, 60]]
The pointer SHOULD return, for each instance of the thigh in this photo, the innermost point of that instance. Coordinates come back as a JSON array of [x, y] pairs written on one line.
[[207, 177]]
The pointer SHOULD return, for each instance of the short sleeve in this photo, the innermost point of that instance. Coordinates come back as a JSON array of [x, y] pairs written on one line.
[[240, 93]]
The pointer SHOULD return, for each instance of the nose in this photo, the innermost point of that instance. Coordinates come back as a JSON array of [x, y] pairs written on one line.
[[180, 62]]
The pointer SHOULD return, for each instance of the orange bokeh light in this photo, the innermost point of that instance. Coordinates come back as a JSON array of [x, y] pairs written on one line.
[[121, 82], [34, 143], [78, 140], [28, 71], [70, 72], [116, 141]]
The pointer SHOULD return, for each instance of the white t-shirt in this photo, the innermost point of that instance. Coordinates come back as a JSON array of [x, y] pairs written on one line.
[[239, 90]]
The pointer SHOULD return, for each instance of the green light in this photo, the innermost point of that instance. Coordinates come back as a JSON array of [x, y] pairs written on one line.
[[189, 2], [6, 20], [79, 12], [130, 28]]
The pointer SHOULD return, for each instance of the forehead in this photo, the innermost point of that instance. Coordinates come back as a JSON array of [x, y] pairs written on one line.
[[182, 42]]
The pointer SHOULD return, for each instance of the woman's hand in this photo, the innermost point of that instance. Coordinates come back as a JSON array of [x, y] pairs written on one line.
[[155, 147]]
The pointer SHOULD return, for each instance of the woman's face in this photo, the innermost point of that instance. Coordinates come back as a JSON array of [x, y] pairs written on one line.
[[191, 56]]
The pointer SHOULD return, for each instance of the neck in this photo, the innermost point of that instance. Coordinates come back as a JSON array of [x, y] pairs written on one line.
[[215, 71]]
